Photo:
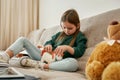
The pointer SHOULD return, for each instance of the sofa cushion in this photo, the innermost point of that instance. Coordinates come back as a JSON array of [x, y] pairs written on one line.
[[51, 74], [46, 35], [35, 35]]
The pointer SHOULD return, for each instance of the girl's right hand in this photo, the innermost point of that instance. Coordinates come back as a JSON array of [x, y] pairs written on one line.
[[48, 48]]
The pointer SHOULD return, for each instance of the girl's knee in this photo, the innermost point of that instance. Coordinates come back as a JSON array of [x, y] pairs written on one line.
[[73, 64], [73, 60], [22, 39]]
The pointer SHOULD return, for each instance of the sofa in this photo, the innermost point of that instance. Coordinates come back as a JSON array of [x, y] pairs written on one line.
[[94, 28]]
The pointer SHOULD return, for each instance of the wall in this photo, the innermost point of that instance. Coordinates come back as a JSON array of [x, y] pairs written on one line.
[[51, 10]]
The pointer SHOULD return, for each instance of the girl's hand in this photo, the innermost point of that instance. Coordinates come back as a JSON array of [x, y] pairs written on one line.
[[48, 48], [60, 50], [39, 46]]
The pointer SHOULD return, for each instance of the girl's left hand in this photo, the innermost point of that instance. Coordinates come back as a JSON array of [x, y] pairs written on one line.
[[60, 50]]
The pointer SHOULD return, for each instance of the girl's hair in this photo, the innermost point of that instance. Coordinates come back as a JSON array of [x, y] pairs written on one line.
[[72, 17]]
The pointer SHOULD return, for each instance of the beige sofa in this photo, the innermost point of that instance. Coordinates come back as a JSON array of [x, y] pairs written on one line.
[[93, 27]]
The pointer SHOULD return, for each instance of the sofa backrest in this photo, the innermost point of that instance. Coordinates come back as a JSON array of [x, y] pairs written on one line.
[[95, 28]]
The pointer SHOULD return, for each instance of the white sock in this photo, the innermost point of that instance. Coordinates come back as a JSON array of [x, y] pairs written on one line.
[[32, 63], [28, 62], [15, 61], [4, 57]]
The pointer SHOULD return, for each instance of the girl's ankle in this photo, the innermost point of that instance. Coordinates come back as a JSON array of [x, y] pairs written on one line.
[[10, 53]]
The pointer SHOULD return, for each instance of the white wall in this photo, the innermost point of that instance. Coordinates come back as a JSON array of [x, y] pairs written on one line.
[[51, 10]]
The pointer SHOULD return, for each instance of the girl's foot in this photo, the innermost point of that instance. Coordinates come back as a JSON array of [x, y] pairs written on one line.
[[27, 62], [4, 57], [16, 61]]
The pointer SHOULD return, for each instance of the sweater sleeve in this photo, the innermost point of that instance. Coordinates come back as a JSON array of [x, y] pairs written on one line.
[[80, 46]]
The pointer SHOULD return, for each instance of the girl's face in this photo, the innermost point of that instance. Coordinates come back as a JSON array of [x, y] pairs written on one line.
[[68, 28]]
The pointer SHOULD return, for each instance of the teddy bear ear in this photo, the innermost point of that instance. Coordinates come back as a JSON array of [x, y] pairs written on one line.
[[114, 23]]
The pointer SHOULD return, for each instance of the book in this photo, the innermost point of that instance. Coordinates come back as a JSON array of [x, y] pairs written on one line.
[[4, 65], [9, 72]]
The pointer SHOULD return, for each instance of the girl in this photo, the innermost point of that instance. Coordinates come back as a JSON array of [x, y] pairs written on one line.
[[70, 43]]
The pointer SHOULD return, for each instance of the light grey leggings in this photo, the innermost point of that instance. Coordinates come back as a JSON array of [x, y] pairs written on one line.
[[68, 64]]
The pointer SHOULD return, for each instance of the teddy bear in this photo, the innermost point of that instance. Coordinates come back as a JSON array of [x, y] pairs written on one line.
[[47, 57], [104, 61]]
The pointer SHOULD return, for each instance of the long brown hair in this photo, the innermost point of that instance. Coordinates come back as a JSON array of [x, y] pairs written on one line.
[[72, 17]]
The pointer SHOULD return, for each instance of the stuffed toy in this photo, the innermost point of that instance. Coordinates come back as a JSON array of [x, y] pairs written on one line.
[[104, 62], [47, 57]]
